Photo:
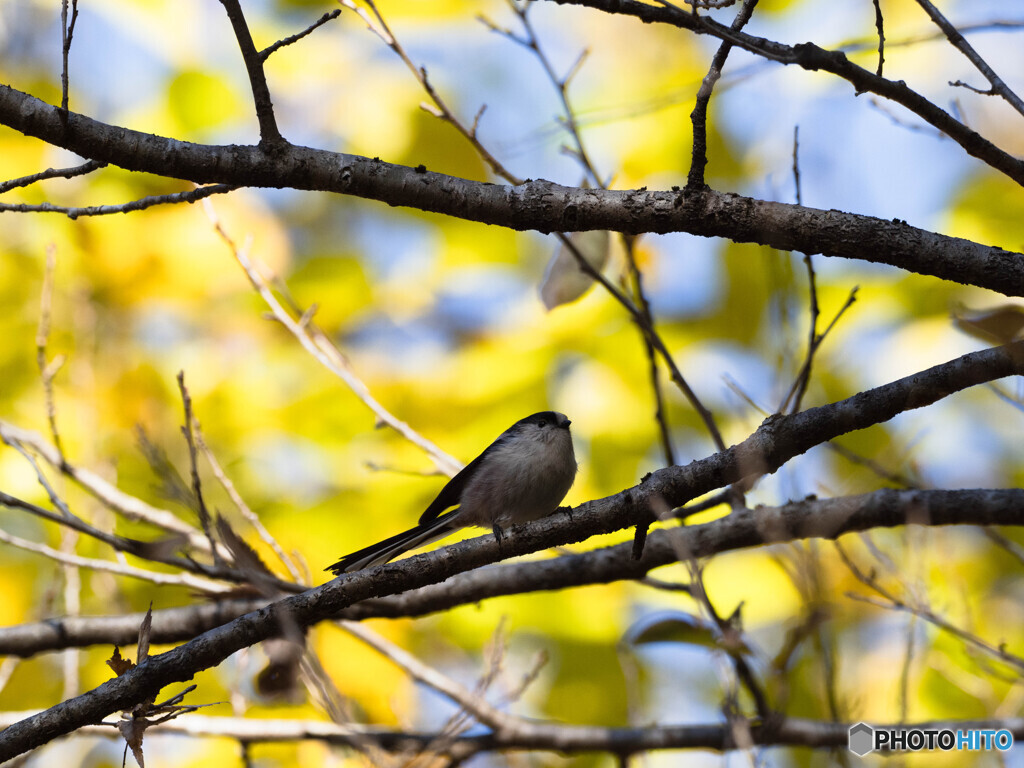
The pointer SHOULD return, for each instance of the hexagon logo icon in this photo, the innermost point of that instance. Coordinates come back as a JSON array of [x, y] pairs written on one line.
[[861, 739]]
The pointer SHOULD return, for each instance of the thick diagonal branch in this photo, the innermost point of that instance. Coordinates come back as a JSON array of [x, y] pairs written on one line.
[[797, 520], [777, 440]]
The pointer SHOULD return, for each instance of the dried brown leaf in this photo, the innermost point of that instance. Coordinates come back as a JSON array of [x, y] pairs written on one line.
[[118, 664], [1000, 325], [145, 630]]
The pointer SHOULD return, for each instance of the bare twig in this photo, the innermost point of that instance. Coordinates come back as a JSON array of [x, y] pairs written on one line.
[[532, 43], [892, 602], [67, 32], [999, 88], [380, 27], [799, 386], [880, 26], [699, 115], [314, 341], [897, 479], [70, 560], [48, 370], [72, 606], [656, 341], [1011, 547], [471, 702], [266, 52], [51, 173], [239, 502], [155, 551], [129, 507], [193, 459], [74, 212], [730, 639]]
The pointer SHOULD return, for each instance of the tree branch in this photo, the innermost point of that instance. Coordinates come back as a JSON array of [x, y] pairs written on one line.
[[792, 731], [538, 205], [812, 58], [601, 566], [74, 212], [998, 86], [270, 135], [777, 440], [753, 527], [699, 115], [51, 173]]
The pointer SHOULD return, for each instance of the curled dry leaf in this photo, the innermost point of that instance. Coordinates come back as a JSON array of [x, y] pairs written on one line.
[[999, 325], [145, 629], [565, 281]]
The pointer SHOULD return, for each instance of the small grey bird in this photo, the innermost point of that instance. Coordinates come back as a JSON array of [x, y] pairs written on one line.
[[521, 476]]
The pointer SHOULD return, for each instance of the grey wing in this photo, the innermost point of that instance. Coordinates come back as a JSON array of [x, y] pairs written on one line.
[[451, 494]]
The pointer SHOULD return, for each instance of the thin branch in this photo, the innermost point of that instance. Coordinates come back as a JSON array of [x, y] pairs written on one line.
[[812, 58], [129, 507], [48, 369], [193, 458], [880, 26], [730, 639], [554, 737], [52, 173], [699, 115], [266, 52], [999, 88], [154, 551], [799, 387], [892, 602], [74, 212], [1011, 547], [471, 702], [561, 84], [314, 341], [380, 27], [777, 440], [270, 135], [656, 341], [241, 506], [67, 31], [184, 579], [72, 607], [897, 479]]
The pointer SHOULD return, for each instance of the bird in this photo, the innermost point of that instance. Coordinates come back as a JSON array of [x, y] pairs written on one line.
[[522, 476]]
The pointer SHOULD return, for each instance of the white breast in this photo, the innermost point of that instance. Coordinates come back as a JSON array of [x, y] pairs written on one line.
[[521, 480]]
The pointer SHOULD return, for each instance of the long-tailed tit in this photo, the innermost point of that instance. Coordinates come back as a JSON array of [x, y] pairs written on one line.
[[521, 476]]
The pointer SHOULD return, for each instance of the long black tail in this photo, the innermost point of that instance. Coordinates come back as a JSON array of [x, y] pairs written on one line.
[[387, 550]]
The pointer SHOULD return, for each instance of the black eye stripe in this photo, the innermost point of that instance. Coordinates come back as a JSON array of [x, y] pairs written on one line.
[[542, 423]]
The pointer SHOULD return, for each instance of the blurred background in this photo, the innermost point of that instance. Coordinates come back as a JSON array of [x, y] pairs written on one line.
[[442, 319]]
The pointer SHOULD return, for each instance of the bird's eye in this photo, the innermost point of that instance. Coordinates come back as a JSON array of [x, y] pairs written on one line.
[[542, 423]]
